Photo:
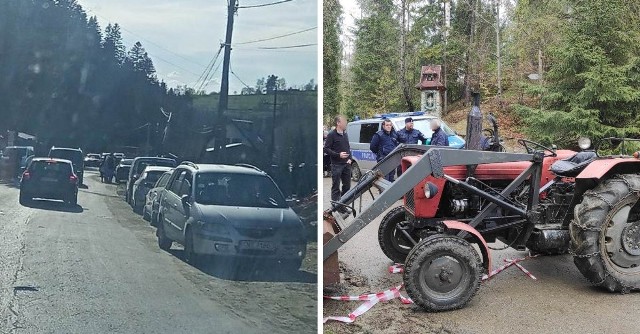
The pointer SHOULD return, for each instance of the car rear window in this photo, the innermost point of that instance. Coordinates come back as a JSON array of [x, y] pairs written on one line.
[[163, 163], [50, 168], [74, 156], [154, 176], [235, 189]]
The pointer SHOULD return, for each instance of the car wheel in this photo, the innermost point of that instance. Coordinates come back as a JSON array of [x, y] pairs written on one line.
[[163, 241], [74, 199], [153, 218], [190, 255], [24, 199], [145, 213]]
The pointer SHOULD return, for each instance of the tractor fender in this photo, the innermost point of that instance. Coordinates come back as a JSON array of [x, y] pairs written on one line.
[[601, 168], [484, 249]]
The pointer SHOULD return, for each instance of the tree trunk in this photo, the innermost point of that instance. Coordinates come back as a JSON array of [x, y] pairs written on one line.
[[403, 58]]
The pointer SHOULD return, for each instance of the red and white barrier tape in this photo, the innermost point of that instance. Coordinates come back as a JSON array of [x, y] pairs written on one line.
[[373, 298], [370, 300], [508, 264]]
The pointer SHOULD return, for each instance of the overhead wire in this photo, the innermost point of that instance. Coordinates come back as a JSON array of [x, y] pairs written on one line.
[[237, 77], [265, 4], [286, 47], [276, 37]]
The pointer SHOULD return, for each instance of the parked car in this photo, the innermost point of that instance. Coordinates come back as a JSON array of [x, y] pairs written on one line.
[[361, 132], [72, 154], [154, 196], [122, 170], [236, 212], [49, 178], [137, 166], [92, 160], [144, 183], [14, 160]]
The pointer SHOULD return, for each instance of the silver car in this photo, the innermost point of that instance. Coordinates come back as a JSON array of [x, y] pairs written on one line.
[[147, 180], [152, 202], [232, 212]]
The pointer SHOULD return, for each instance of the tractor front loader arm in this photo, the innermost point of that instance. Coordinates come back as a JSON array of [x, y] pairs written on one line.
[[432, 162]]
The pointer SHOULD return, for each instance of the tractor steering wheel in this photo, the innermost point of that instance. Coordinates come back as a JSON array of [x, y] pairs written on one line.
[[530, 150]]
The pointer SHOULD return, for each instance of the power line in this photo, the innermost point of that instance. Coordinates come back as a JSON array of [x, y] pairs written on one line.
[[207, 71], [237, 77], [287, 47], [276, 37], [266, 4]]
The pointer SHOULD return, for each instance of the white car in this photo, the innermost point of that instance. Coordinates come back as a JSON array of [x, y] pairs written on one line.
[[144, 183]]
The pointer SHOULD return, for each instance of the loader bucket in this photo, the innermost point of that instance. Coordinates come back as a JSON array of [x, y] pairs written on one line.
[[330, 269]]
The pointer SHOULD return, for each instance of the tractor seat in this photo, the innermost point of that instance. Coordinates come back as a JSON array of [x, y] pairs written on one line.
[[572, 166]]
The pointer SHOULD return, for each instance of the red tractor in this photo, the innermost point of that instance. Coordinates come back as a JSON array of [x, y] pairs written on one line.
[[546, 200]]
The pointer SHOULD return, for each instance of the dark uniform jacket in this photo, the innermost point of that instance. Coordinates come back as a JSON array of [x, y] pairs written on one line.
[[383, 143]]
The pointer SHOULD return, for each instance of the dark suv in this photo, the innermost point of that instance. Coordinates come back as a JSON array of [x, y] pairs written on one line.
[[72, 154], [230, 211], [51, 179]]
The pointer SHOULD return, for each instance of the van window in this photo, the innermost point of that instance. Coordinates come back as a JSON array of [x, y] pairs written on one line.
[[367, 131], [353, 131]]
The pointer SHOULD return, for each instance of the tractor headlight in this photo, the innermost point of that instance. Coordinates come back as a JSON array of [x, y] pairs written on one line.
[[430, 190], [584, 143]]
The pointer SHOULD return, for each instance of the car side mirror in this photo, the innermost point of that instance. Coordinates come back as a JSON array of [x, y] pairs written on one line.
[[186, 200]]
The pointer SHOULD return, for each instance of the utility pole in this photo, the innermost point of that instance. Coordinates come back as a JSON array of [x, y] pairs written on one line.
[[220, 128], [273, 125], [148, 139]]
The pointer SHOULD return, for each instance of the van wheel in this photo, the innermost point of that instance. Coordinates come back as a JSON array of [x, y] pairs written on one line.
[[356, 173]]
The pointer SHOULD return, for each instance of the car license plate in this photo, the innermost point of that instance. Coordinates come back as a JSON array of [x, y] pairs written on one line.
[[258, 245], [49, 179]]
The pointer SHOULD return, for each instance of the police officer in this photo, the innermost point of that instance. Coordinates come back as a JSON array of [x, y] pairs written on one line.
[[383, 142], [409, 135], [439, 138]]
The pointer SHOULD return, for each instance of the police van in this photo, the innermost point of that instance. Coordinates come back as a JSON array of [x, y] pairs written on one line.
[[360, 133]]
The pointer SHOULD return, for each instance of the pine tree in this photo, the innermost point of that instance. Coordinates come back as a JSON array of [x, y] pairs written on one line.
[[332, 56], [593, 84]]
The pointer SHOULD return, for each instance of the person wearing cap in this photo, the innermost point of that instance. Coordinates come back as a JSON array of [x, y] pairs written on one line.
[[383, 142], [439, 138], [409, 135]]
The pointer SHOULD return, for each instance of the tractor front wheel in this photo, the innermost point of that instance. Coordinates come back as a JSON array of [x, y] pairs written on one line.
[[394, 243], [605, 234], [442, 273]]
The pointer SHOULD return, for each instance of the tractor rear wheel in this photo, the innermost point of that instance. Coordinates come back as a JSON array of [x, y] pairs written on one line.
[[605, 234], [393, 242], [442, 272]]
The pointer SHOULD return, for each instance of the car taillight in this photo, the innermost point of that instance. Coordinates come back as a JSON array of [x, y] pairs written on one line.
[[26, 175], [73, 179]]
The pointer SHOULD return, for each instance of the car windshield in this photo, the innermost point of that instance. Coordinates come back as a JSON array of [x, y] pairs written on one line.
[[424, 125], [235, 189]]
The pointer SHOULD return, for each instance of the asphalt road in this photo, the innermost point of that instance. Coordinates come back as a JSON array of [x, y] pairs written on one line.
[[96, 268], [559, 301]]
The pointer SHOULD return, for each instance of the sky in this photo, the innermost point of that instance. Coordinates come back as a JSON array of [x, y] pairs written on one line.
[[350, 12], [182, 37]]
